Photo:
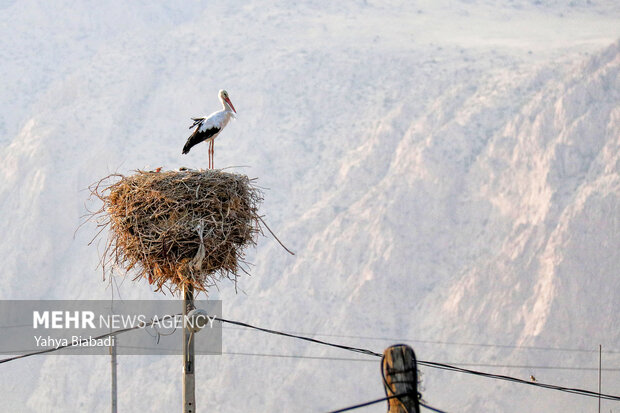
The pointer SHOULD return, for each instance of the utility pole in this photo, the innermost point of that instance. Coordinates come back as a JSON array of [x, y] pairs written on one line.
[[113, 366], [600, 364], [189, 381], [400, 377], [113, 362]]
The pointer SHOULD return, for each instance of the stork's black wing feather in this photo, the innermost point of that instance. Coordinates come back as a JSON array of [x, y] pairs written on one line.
[[197, 121], [199, 136]]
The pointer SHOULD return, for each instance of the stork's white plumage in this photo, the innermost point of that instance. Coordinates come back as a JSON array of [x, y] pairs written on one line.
[[208, 128]]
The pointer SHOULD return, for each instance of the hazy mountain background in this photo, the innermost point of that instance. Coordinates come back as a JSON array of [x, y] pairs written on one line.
[[448, 173]]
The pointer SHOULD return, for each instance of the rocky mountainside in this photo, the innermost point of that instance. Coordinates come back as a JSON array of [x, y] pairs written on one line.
[[447, 172]]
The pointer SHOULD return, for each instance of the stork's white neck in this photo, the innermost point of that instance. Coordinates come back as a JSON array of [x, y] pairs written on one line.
[[228, 111]]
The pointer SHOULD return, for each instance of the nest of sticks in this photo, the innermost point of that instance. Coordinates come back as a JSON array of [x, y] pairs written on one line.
[[179, 228]]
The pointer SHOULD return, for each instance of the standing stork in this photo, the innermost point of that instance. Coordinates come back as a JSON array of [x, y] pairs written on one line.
[[208, 128]]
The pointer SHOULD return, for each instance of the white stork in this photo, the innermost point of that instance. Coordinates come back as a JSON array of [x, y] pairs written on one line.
[[210, 127]]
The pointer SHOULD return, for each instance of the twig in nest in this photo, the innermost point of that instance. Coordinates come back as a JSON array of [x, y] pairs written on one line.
[[274, 235]]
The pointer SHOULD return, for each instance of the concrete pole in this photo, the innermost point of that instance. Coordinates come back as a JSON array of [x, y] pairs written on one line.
[[189, 381], [113, 366]]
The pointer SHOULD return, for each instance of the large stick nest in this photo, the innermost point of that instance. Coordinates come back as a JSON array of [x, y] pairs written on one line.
[[179, 228]]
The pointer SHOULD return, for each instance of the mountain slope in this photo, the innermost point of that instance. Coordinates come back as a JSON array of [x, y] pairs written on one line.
[[446, 172]]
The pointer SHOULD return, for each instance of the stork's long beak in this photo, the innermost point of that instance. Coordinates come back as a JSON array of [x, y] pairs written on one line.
[[231, 105]]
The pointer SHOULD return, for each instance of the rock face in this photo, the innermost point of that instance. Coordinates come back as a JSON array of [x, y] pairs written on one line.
[[448, 176], [496, 220], [552, 175]]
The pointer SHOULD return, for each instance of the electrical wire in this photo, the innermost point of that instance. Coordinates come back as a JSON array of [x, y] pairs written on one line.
[[312, 340], [409, 340], [357, 406], [443, 366], [572, 390], [533, 367], [434, 409], [450, 343], [72, 344], [328, 358]]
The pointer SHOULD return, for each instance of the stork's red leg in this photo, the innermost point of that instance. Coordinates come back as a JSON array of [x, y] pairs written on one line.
[[211, 151]]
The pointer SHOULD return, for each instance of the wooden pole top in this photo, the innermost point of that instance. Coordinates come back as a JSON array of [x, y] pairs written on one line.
[[400, 378]]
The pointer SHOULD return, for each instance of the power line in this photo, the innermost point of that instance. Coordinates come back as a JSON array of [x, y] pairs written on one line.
[[449, 343], [410, 340], [329, 358], [442, 366], [434, 409], [531, 366], [572, 390], [357, 406], [72, 343], [312, 340], [312, 358]]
